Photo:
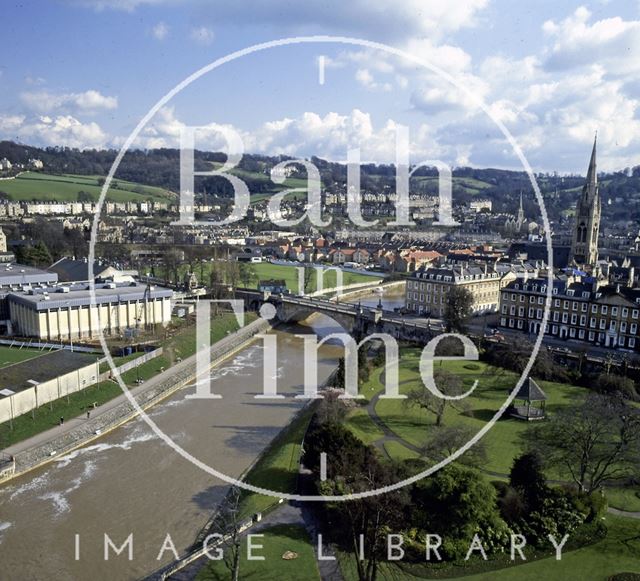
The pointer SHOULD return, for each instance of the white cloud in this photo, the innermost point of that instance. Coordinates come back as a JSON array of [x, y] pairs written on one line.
[[365, 78], [160, 31], [613, 43], [202, 35], [9, 123], [63, 130], [366, 18], [88, 101]]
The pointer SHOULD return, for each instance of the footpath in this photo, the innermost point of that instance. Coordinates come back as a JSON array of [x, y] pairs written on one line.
[[45, 446]]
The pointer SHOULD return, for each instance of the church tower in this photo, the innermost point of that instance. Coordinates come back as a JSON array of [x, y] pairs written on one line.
[[3, 241], [521, 219], [584, 246]]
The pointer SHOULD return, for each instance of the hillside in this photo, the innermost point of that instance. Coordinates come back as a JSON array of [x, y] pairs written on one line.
[[74, 171], [68, 187]]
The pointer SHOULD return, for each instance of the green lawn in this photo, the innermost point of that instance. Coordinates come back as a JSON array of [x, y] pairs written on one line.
[[11, 355], [625, 498], [503, 441], [277, 468], [277, 540], [48, 415], [65, 188]]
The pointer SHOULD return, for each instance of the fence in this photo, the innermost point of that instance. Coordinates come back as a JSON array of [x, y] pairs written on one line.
[[25, 400]]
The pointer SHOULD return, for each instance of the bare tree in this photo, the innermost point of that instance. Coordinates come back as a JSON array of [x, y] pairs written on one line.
[[597, 441], [423, 398], [448, 440], [228, 524]]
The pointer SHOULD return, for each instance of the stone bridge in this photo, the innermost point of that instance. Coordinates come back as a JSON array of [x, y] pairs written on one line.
[[356, 320]]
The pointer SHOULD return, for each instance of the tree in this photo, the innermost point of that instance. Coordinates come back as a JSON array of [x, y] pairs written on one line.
[[515, 355], [458, 309], [308, 278], [611, 383], [448, 440], [527, 478], [355, 467], [597, 441], [423, 398], [247, 274], [455, 503], [227, 523]]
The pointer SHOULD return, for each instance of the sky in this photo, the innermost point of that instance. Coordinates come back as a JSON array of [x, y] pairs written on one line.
[[83, 73]]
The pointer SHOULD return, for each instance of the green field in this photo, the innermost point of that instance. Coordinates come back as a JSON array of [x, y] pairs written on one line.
[[12, 355], [65, 188], [277, 540], [267, 270]]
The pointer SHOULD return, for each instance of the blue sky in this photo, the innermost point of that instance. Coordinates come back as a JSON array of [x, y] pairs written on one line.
[[83, 72]]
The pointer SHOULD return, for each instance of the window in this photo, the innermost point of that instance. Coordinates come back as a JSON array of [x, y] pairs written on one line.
[[574, 319], [634, 314], [603, 323], [520, 324], [541, 300], [503, 322], [565, 304], [632, 342], [625, 312], [604, 309], [592, 335], [581, 334], [522, 298], [584, 307], [583, 320], [556, 316], [633, 329], [556, 303], [565, 317], [614, 311], [623, 327], [574, 306]]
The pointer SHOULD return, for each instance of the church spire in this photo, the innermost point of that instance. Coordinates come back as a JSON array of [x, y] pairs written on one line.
[[592, 174], [584, 246]]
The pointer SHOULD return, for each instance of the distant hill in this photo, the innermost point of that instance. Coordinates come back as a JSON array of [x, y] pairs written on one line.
[[158, 169]]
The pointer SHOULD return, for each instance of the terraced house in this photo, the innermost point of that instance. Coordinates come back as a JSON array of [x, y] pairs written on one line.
[[582, 309], [427, 290]]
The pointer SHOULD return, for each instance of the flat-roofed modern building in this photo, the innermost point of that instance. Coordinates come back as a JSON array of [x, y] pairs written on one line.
[[66, 312], [19, 276]]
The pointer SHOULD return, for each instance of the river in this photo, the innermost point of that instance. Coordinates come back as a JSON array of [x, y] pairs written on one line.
[[130, 482]]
